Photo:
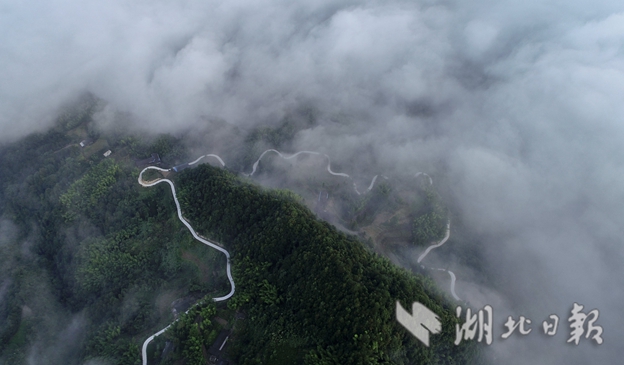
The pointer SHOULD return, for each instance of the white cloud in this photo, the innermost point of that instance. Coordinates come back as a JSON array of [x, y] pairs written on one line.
[[519, 101]]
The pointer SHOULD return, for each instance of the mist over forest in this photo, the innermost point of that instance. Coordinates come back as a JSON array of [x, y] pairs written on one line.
[[513, 109]]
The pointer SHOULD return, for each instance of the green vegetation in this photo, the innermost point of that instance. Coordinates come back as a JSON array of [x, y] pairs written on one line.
[[90, 260], [194, 332], [85, 193], [278, 137], [430, 222], [369, 205], [165, 145], [78, 113], [92, 263], [309, 290]]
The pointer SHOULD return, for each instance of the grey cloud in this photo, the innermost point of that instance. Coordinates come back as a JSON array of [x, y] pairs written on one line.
[[515, 105]]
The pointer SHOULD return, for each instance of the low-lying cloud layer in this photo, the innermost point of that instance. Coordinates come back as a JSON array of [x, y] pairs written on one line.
[[519, 102]]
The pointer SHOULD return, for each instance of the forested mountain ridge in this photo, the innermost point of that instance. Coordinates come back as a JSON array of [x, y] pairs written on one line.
[[90, 260], [310, 289], [92, 264]]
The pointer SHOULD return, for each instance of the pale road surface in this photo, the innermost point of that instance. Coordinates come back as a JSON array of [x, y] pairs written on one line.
[[446, 237], [443, 241], [227, 254], [255, 166], [195, 235], [215, 156], [452, 274]]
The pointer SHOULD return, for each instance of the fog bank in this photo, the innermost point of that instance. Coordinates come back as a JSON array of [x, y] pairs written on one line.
[[516, 104]]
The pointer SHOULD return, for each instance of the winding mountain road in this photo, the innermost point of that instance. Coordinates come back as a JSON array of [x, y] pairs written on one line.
[[255, 167], [443, 241], [195, 235], [446, 237], [436, 245], [227, 254]]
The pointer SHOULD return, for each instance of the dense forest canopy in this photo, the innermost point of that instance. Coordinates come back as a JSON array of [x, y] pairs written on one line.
[[93, 264], [308, 287], [90, 260]]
